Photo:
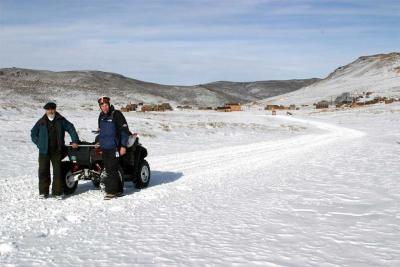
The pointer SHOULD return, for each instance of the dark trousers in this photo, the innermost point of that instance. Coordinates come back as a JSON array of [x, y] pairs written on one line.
[[113, 181], [44, 173]]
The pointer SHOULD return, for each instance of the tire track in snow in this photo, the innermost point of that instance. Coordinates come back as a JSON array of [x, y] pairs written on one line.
[[206, 168], [256, 153]]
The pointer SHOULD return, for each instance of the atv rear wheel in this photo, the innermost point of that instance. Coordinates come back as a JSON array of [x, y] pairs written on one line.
[[143, 175]]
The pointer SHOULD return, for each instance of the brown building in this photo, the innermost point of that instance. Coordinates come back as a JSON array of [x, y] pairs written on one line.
[[131, 107], [278, 107], [184, 107], [146, 108], [224, 109], [234, 106], [322, 104], [272, 107], [166, 106]]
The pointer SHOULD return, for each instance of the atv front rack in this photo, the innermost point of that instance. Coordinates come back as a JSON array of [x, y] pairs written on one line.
[[95, 145]]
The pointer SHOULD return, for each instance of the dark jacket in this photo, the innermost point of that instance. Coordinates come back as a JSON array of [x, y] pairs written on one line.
[[40, 136], [114, 130]]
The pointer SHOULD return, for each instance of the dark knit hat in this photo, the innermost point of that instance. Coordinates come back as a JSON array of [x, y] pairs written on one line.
[[50, 105]]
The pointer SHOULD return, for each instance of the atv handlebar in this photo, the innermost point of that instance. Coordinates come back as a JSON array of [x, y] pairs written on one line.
[[95, 145], [134, 135]]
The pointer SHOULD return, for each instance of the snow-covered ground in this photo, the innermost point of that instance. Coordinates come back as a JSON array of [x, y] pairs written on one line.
[[245, 188]]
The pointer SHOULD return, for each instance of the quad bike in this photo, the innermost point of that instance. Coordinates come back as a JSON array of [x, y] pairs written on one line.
[[85, 163]]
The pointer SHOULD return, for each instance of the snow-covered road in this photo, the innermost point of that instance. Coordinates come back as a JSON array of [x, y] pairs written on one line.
[[314, 199], [219, 162]]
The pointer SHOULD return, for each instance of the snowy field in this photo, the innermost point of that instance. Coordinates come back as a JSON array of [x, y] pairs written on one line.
[[244, 189]]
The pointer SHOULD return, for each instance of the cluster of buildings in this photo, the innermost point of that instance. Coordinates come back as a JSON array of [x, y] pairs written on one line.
[[281, 107], [229, 107], [352, 101], [144, 108], [343, 100]]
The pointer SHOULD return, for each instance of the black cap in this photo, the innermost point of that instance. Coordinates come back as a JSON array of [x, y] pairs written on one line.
[[50, 105]]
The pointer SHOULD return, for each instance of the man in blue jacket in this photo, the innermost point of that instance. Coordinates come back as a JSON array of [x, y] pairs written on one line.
[[48, 135], [113, 138]]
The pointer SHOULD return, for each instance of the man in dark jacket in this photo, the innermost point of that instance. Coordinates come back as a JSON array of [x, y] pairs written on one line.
[[113, 138], [48, 135]]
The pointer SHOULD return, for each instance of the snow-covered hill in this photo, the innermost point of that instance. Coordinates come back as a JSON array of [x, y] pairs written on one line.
[[377, 73]]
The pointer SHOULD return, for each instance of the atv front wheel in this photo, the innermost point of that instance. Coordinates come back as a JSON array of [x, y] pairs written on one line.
[[68, 180], [143, 176], [96, 184]]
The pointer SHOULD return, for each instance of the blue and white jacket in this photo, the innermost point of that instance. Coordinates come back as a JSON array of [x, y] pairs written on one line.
[[114, 130]]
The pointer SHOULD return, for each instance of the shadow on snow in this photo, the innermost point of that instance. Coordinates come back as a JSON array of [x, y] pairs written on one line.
[[157, 178]]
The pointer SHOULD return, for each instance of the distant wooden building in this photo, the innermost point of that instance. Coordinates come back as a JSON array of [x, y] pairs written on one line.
[[146, 108], [272, 107], [184, 107], [166, 106], [205, 108], [153, 107], [131, 107], [344, 98], [322, 104], [234, 106], [278, 107], [224, 109]]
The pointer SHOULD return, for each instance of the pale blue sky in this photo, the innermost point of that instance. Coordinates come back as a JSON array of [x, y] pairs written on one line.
[[192, 42]]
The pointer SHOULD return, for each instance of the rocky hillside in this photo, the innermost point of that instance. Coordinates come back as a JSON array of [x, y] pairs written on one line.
[[40, 86], [253, 91]]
